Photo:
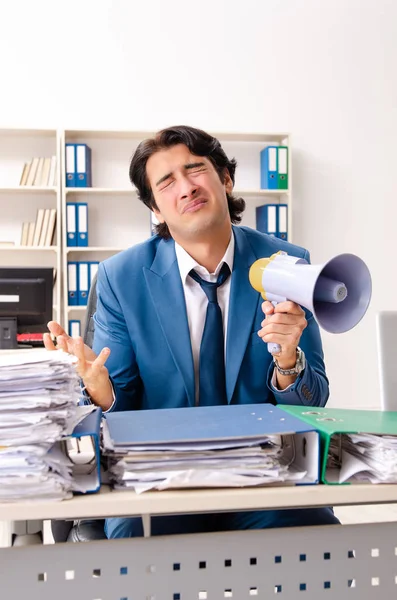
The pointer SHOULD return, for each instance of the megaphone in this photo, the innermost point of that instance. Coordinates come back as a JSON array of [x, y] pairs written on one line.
[[337, 293]]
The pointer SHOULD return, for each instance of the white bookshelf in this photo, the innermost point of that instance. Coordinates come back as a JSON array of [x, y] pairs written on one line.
[[19, 204], [117, 219]]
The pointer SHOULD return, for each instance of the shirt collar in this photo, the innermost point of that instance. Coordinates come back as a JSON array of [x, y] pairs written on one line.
[[186, 263]]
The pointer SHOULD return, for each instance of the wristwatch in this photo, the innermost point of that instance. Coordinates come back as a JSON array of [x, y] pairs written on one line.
[[299, 365]]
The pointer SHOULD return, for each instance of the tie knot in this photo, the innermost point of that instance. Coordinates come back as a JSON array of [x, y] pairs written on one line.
[[210, 287]]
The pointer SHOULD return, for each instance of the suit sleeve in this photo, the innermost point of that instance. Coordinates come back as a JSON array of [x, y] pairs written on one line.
[[111, 331], [311, 387]]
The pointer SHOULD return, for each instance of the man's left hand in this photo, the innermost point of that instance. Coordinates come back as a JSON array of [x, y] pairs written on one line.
[[283, 325]]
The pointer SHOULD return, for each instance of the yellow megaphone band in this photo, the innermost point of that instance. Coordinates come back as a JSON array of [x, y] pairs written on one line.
[[256, 273]]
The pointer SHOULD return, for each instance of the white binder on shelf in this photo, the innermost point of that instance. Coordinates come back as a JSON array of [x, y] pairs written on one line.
[[72, 284], [71, 224], [83, 283]]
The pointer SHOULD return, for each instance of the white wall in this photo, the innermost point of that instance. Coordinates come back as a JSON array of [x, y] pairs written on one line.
[[323, 70]]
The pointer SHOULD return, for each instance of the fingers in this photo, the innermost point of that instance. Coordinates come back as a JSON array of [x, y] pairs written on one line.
[[62, 343], [100, 360], [289, 307], [48, 343], [56, 329], [267, 307]]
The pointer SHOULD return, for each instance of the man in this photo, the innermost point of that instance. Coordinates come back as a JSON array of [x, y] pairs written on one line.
[[168, 341]]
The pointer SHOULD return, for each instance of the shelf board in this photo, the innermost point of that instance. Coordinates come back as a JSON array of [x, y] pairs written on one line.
[[28, 188], [76, 308], [30, 248], [132, 190], [109, 503], [99, 190], [29, 132], [277, 136], [258, 192], [93, 249]]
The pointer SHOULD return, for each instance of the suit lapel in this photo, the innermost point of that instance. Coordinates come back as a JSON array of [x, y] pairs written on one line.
[[242, 308], [165, 287]]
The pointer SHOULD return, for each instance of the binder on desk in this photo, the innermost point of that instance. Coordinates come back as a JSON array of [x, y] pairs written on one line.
[[83, 283], [71, 224], [282, 170], [269, 168], [83, 165], [266, 219], [215, 427], [82, 223], [82, 448], [72, 284], [356, 445], [70, 164]]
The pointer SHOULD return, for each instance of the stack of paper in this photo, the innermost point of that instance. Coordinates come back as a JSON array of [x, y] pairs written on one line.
[[39, 392], [222, 446], [364, 457]]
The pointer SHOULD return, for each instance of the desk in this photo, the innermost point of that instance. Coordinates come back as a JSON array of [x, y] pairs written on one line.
[[352, 561]]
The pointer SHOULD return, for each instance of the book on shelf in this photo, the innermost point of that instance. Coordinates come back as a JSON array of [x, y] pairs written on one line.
[[41, 232], [32, 171], [24, 234], [40, 172], [31, 233], [25, 174]]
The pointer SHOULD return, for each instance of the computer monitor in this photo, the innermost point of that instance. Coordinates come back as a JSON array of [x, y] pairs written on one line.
[[25, 302]]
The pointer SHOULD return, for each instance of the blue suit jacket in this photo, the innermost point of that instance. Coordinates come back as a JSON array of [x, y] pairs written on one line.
[[141, 316]]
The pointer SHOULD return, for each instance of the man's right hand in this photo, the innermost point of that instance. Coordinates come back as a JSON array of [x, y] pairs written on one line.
[[90, 367]]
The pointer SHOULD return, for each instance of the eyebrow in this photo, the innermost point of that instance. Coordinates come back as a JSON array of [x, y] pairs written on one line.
[[186, 167]]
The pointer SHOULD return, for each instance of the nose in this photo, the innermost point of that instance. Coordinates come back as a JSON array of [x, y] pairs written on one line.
[[187, 188]]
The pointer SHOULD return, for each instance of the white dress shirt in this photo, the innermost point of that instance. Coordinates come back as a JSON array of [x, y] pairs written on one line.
[[197, 301]]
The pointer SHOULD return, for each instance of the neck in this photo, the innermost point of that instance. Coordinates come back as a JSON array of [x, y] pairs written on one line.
[[208, 252]]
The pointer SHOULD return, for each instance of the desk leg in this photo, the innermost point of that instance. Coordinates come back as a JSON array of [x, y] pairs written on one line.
[[27, 533], [147, 525], [5, 534]]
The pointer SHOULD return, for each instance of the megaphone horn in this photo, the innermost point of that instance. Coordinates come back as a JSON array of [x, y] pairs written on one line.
[[338, 292]]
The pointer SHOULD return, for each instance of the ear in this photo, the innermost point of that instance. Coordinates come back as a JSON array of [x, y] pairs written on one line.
[[227, 182], [158, 215]]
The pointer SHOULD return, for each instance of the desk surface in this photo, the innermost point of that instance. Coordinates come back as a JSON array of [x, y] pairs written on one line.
[[110, 503]]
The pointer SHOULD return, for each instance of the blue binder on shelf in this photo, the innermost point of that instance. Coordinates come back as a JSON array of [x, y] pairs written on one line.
[[269, 168], [247, 423], [266, 219], [83, 166], [82, 448], [73, 283], [71, 224], [70, 165], [82, 223], [282, 222], [83, 283], [74, 328]]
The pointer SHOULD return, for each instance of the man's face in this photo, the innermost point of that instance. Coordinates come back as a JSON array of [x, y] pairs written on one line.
[[188, 192]]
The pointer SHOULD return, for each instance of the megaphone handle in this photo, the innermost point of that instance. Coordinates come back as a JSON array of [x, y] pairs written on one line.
[[273, 348]]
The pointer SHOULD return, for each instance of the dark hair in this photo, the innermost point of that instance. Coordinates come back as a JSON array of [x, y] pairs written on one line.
[[199, 143]]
